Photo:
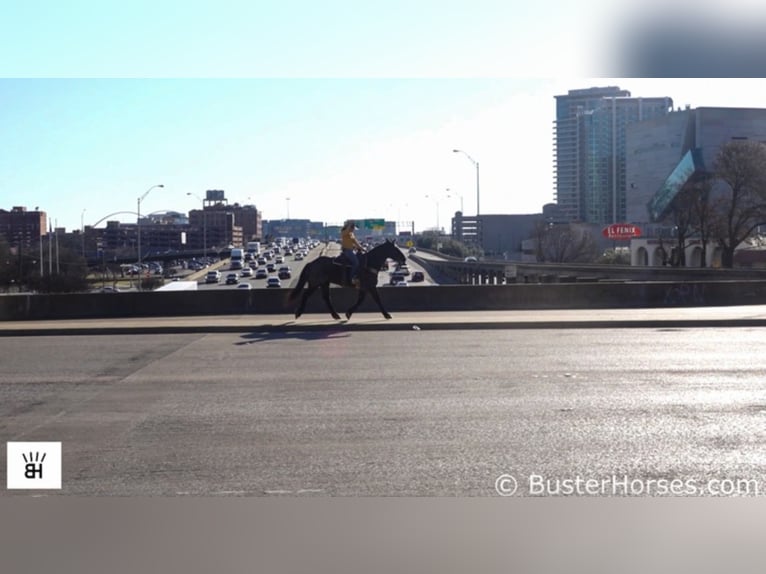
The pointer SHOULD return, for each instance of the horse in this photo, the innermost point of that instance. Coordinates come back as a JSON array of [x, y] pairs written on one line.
[[325, 270]]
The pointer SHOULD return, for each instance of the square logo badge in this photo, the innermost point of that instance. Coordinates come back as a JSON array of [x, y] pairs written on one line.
[[34, 465]]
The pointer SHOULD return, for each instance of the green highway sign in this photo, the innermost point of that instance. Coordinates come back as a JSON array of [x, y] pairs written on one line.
[[373, 223]]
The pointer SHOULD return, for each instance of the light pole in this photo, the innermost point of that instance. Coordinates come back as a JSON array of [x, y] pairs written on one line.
[[476, 164], [436, 200], [204, 222], [82, 230], [138, 222]]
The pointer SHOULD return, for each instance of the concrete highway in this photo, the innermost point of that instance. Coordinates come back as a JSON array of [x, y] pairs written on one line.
[[330, 250], [417, 411]]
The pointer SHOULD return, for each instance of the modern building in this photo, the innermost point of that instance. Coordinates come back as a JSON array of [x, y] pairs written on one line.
[[590, 150], [666, 153]]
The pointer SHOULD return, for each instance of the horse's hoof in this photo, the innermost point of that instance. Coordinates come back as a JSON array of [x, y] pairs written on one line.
[[336, 316], [297, 315], [348, 315], [386, 315]]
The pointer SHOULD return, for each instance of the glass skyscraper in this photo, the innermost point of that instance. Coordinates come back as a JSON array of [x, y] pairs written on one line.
[[590, 150]]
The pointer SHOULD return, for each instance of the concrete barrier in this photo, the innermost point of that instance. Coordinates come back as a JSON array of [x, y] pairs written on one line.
[[422, 298]]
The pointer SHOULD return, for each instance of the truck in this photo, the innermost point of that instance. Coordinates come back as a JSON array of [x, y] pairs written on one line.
[[236, 258], [254, 248]]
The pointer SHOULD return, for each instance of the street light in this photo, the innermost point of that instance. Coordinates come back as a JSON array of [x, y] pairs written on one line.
[[138, 221], [436, 199], [476, 164], [82, 230], [204, 222]]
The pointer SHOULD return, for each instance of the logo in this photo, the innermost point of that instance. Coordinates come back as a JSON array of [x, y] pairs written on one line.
[[621, 231], [34, 465]]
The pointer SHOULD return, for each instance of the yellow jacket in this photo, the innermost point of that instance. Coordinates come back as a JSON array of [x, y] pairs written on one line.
[[348, 239]]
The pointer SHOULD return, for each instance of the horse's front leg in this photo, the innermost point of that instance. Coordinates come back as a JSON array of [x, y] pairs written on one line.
[[355, 306], [376, 298], [328, 302]]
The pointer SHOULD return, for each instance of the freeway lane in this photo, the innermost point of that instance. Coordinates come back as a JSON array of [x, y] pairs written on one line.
[[423, 413]]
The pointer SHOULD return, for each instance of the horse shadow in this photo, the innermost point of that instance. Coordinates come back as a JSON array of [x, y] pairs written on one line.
[[312, 335]]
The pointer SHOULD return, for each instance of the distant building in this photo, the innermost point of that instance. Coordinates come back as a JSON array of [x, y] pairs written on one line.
[[22, 228], [219, 224], [499, 236], [590, 150]]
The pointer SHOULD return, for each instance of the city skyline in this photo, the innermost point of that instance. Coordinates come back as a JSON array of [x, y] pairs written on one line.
[[318, 149]]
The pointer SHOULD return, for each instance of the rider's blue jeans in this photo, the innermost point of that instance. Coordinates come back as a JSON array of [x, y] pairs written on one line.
[[350, 254]]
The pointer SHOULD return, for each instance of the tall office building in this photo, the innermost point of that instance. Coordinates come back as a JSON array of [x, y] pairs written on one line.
[[590, 150]]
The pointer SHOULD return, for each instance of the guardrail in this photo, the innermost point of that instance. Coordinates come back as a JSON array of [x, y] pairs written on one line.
[[498, 272], [599, 295]]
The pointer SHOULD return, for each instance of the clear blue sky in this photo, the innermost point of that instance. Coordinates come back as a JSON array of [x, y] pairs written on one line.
[[349, 109]]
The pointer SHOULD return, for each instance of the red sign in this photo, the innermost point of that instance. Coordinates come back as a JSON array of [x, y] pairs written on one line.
[[621, 231]]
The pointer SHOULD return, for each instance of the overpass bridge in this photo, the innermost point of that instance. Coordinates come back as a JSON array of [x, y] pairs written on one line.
[[452, 270]]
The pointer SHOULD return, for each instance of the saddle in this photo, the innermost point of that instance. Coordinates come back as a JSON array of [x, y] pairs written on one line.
[[343, 261]]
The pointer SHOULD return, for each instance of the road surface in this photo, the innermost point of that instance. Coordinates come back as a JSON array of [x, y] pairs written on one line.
[[334, 412]]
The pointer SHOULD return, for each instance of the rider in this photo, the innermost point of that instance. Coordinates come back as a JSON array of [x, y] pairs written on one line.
[[348, 245]]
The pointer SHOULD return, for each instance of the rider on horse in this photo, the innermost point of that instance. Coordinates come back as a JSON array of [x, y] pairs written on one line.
[[349, 245]]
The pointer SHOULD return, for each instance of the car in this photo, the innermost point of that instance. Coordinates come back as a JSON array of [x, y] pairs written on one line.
[[401, 283], [298, 256], [279, 260], [244, 286], [232, 279], [284, 273], [261, 261], [109, 289], [417, 276], [470, 259], [396, 277], [273, 282], [412, 250], [213, 276], [246, 272], [261, 273], [271, 267], [403, 269]]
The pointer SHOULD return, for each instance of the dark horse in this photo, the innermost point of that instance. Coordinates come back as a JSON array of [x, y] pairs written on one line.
[[325, 270]]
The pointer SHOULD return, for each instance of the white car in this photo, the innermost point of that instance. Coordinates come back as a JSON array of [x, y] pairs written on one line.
[[273, 282], [246, 272]]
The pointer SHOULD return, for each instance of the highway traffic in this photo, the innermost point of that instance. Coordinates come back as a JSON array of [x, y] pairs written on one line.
[[258, 273]]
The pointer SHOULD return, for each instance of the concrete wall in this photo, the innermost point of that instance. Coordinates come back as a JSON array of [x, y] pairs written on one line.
[[423, 298]]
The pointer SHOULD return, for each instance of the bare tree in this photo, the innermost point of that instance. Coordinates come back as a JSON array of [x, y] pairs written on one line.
[[690, 214], [741, 166], [564, 243]]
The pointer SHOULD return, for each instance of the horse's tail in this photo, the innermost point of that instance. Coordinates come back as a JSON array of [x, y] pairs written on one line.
[[302, 279]]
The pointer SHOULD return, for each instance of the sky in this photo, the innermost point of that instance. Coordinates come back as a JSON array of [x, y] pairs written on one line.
[[321, 111]]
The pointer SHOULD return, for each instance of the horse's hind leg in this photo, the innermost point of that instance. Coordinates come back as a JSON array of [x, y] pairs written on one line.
[[326, 297], [355, 306], [306, 294]]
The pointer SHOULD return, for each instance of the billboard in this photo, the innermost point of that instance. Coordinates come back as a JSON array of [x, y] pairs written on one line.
[[618, 231], [215, 195]]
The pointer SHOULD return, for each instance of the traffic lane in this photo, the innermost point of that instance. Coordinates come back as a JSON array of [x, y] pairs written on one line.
[[144, 418], [295, 270]]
